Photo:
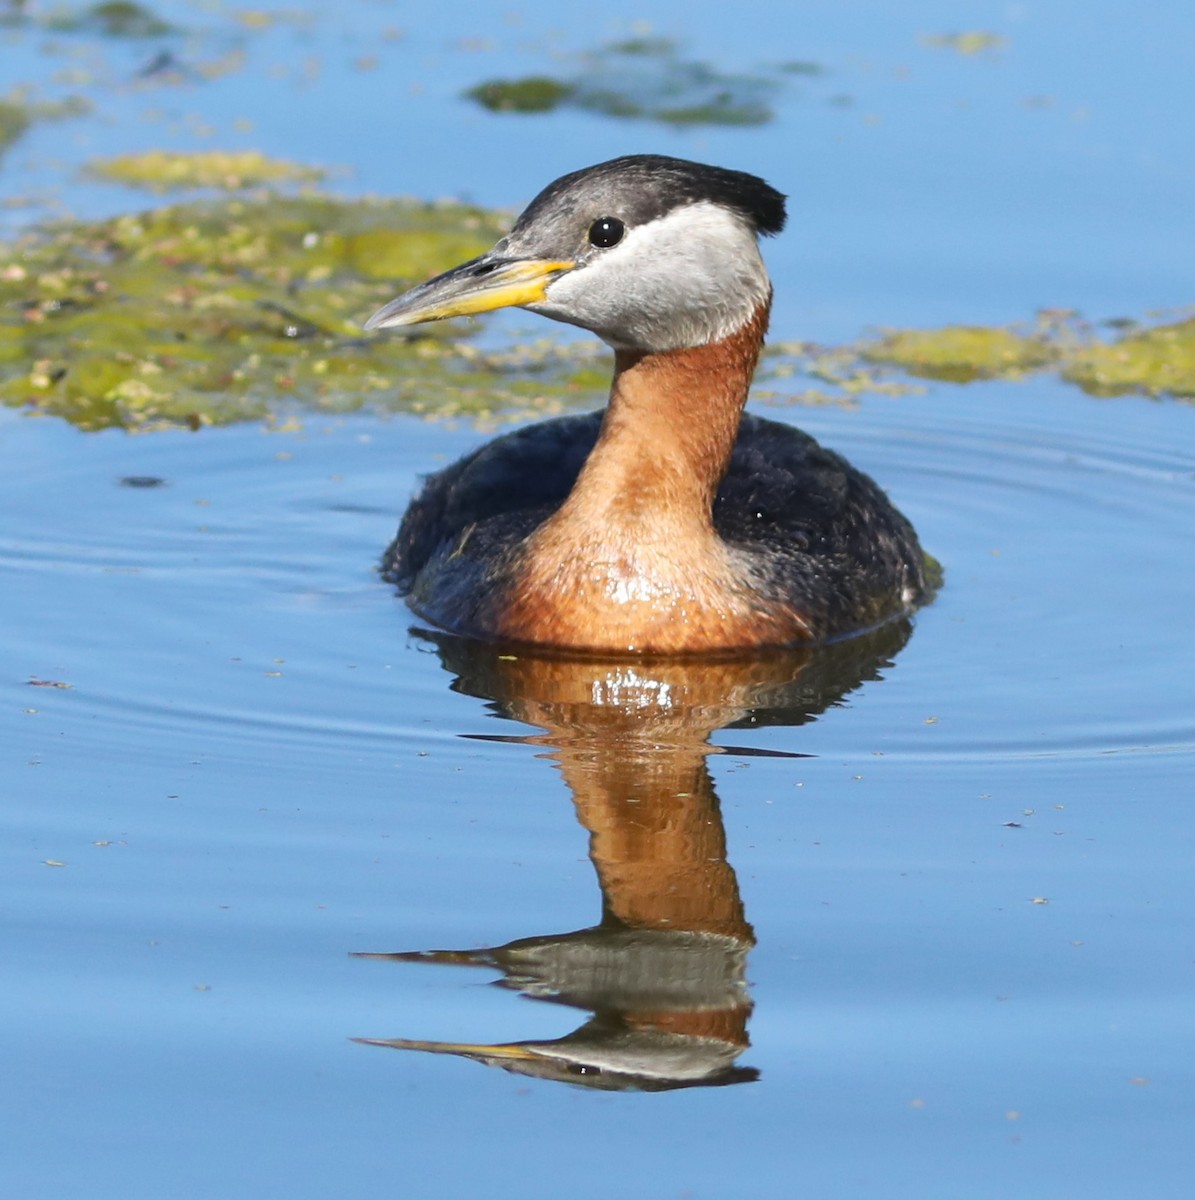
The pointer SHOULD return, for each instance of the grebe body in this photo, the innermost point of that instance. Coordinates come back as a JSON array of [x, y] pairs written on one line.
[[669, 523]]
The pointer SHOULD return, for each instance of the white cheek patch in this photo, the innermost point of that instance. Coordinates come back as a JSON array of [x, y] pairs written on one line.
[[688, 278]]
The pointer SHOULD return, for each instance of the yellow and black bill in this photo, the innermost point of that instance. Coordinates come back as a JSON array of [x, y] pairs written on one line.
[[480, 285]]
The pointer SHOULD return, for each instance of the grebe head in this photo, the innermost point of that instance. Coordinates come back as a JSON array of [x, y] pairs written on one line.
[[650, 253]]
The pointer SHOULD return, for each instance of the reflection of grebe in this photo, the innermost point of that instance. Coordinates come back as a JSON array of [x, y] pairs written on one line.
[[670, 524], [663, 973]]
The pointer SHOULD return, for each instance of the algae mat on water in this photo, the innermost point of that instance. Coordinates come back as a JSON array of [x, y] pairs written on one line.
[[1156, 360], [647, 79], [248, 308], [219, 311], [166, 171]]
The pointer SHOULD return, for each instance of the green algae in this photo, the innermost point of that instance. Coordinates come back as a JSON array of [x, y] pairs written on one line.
[[963, 353], [809, 374], [14, 120], [114, 18], [171, 170], [645, 47], [969, 43], [800, 66], [643, 78], [210, 313], [18, 111], [533, 94], [1157, 362], [250, 308], [1150, 361]]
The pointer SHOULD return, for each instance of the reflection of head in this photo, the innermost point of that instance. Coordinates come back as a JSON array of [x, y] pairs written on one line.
[[606, 1054]]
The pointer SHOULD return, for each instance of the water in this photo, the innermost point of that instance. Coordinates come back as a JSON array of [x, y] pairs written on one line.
[[952, 909]]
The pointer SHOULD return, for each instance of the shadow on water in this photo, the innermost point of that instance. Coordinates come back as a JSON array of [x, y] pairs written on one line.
[[663, 973]]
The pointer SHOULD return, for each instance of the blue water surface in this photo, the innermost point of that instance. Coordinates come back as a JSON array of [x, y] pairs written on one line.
[[961, 864]]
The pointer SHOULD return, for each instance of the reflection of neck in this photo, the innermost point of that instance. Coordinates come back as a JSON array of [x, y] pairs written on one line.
[[720, 1024], [657, 839]]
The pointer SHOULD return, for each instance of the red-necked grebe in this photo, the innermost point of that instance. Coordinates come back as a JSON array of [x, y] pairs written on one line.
[[671, 522]]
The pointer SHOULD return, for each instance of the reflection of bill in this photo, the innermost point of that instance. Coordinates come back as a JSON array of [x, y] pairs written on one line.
[[670, 1007], [664, 972]]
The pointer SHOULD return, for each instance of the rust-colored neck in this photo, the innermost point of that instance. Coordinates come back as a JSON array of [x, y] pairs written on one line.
[[631, 560], [667, 435]]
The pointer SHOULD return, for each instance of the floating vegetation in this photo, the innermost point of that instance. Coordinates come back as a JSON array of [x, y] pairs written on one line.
[[645, 79], [535, 94], [171, 170], [209, 313], [1154, 361], [18, 111], [801, 67], [117, 18], [249, 308], [971, 43], [14, 120], [964, 353], [1158, 361], [810, 374]]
